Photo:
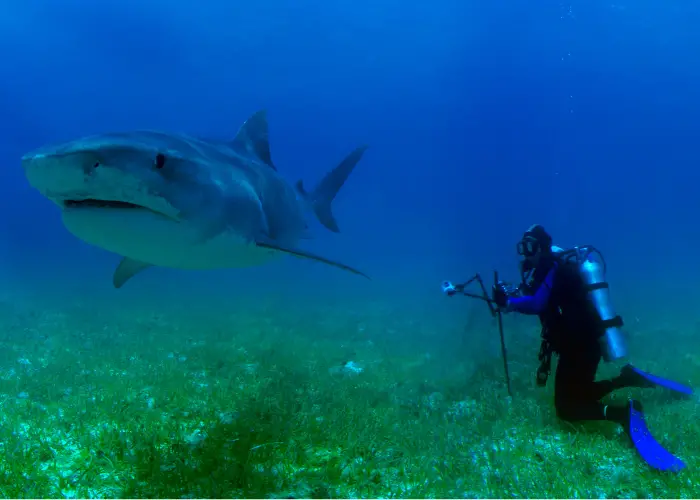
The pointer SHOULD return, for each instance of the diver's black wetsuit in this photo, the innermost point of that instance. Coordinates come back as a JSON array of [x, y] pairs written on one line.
[[558, 295]]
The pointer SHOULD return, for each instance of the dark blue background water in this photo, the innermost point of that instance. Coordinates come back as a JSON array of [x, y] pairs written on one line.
[[482, 117]]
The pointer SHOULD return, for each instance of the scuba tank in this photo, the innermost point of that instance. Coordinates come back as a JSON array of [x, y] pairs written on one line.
[[593, 272]]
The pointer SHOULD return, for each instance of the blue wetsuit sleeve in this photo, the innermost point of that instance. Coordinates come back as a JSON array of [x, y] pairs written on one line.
[[536, 303]]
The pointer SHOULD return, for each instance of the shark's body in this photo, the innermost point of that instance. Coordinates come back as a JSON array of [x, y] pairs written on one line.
[[176, 201]]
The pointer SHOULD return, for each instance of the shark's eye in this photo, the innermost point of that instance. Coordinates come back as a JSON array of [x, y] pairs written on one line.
[[97, 164], [160, 160]]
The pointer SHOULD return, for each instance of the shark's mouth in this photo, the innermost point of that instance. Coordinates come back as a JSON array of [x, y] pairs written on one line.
[[93, 203]]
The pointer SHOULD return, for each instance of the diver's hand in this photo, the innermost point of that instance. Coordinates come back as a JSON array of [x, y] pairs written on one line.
[[500, 295]]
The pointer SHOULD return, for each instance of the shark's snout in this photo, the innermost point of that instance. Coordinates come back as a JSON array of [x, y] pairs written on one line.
[[27, 161], [38, 154], [34, 160], [27, 158], [46, 155], [55, 176], [76, 179]]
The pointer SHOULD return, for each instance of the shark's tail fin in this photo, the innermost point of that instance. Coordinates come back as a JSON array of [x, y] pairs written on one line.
[[322, 196]]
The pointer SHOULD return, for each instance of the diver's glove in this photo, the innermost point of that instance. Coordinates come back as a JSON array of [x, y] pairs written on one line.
[[501, 293]]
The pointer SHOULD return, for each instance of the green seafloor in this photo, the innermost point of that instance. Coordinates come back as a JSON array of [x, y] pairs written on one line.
[[284, 397]]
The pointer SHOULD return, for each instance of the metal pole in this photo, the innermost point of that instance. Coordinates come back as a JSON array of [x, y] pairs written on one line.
[[503, 341]]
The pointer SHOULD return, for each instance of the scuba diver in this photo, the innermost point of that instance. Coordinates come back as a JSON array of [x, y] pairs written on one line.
[[568, 291]]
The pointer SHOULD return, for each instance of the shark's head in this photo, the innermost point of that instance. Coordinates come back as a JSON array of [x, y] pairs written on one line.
[[108, 172], [134, 191]]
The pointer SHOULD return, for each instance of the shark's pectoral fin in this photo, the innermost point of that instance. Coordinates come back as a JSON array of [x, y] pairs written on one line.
[[126, 269], [207, 229], [273, 245]]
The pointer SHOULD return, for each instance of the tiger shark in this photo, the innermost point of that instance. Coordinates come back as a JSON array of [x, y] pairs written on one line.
[[176, 201]]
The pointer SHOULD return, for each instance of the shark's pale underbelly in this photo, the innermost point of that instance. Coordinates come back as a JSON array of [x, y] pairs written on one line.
[[149, 237]]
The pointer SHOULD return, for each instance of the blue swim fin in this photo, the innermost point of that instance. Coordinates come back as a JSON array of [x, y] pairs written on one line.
[[648, 448], [639, 378]]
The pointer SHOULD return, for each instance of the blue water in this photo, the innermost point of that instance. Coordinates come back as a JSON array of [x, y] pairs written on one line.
[[482, 118]]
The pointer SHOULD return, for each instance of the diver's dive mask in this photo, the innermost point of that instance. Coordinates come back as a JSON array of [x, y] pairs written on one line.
[[533, 245], [528, 247]]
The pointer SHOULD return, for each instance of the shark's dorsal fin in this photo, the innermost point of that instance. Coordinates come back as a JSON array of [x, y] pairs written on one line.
[[253, 139]]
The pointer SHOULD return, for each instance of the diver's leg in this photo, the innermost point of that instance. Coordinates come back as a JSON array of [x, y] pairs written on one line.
[[577, 397], [577, 394], [631, 377], [634, 377], [575, 390], [602, 388]]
